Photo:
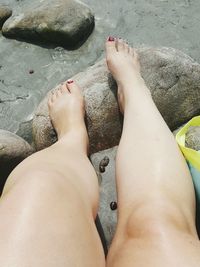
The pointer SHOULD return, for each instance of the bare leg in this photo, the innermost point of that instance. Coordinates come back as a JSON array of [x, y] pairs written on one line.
[[50, 200], [156, 215]]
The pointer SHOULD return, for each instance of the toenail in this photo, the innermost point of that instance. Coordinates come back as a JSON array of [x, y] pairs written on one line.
[[111, 39], [70, 81]]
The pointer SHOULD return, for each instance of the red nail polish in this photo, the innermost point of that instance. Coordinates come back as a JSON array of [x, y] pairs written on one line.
[[70, 81], [111, 39]]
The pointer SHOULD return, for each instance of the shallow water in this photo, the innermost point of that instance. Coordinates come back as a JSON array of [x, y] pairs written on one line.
[[141, 22]]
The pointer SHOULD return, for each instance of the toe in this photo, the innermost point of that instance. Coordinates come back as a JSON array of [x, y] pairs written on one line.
[[120, 45], [73, 87], [136, 56], [110, 46], [58, 92], [126, 48], [53, 97], [50, 100], [64, 88], [131, 51]]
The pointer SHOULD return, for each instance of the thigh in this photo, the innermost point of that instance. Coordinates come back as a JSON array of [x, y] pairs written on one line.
[[45, 223]]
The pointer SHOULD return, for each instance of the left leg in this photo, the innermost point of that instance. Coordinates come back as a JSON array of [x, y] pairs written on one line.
[[156, 203], [50, 200]]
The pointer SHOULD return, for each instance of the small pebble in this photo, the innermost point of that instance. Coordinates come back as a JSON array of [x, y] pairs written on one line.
[[101, 168], [31, 71], [105, 161], [113, 205]]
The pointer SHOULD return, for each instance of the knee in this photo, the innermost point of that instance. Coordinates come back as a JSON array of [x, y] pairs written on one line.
[[155, 220], [142, 223]]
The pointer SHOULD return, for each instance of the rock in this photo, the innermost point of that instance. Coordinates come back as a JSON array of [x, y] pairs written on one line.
[[5, 13], [13, 149], [192, 139], [25, 131], [67, 23], [102, 116], [104, 162], [113, 205], [108, 196], [174, 82]]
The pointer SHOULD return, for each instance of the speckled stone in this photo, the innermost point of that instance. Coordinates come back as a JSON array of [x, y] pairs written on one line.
[[65, 23], [174, 82]]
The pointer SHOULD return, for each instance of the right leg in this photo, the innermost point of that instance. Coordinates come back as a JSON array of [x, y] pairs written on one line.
[[156, 202], [50, 200]]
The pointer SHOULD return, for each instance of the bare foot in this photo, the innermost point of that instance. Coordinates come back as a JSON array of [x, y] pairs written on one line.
[[66, 110], [124, 65]]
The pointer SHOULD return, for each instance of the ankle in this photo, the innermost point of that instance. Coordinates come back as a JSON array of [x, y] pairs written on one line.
[[75, 139], [130, 77], [134, 91]]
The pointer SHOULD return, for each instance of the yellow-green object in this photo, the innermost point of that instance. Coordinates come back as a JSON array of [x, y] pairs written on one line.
[[193, 159], [190, 154]]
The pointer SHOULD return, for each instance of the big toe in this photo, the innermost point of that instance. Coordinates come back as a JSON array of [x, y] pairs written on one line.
[[73, 87], [110, 46]]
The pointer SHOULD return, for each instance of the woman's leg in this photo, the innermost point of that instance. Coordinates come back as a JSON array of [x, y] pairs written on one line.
[[156, 203], [50, 200]]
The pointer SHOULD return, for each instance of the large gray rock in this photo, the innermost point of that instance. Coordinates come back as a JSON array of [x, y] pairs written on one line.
[[13, 149], [174, 82], [67, 23], [102, 112], [5, 13]]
